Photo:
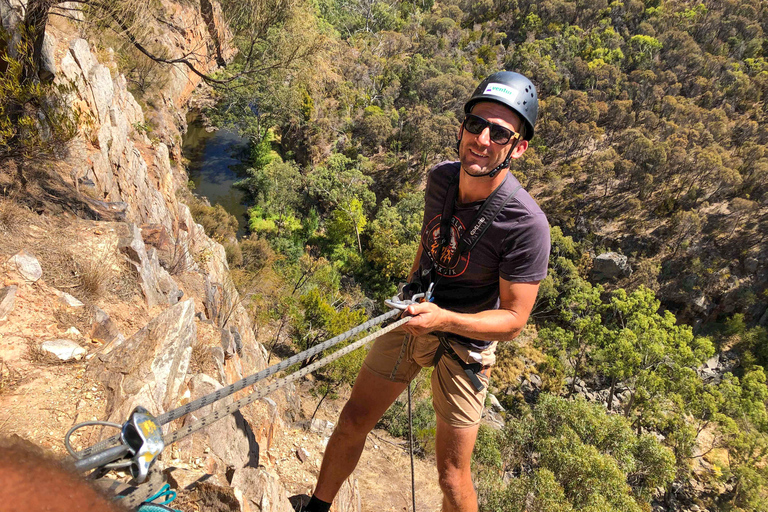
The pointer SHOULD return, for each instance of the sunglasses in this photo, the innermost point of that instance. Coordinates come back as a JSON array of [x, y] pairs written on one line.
[[499, 134]]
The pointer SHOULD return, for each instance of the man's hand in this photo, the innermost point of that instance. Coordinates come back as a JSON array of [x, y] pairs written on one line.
[[503, 324], [425, 318]]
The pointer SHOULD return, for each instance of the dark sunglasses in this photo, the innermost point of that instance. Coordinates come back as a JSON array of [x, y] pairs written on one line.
[[499, 134]]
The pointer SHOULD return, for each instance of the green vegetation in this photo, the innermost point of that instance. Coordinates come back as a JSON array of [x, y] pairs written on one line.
[[651, 141]]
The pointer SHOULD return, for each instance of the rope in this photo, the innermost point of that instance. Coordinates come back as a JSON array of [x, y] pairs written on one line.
[[410, 447], [252, 379], [261, 392]]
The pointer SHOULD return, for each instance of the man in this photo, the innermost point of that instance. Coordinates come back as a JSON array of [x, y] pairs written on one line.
[[484, 269]]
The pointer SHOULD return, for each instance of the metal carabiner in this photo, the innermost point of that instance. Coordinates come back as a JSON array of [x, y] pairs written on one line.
[[397, 303]]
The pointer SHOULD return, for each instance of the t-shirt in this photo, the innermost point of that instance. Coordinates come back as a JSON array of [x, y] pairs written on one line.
[[515, 247]]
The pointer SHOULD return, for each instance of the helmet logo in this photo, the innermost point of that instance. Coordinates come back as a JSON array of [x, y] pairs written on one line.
[[502, 91]]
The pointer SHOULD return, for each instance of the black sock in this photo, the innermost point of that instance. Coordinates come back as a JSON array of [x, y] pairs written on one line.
[[317, 505]]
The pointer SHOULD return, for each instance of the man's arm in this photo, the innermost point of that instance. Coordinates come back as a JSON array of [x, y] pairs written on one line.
[[503, 324]]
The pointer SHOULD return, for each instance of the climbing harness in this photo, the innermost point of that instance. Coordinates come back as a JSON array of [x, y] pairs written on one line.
[[471, 369], [141, 439], [488, 212]]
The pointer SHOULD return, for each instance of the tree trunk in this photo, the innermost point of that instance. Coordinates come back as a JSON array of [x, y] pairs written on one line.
[[610, 394]]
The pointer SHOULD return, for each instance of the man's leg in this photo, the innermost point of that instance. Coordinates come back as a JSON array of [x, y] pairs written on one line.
[[371, 397], [453, 448]]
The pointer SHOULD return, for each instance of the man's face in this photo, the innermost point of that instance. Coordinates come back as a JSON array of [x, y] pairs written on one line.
[[477, 153]]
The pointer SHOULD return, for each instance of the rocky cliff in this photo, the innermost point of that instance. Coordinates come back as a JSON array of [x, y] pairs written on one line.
[[160, 323]]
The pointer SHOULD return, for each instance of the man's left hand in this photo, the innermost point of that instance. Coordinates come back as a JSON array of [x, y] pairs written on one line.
[[425, 318]]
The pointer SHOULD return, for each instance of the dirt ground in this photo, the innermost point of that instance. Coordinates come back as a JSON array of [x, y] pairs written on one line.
[[383, 472], [40, 400]]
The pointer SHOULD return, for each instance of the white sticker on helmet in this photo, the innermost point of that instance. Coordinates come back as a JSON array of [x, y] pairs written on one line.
[[502, 91]]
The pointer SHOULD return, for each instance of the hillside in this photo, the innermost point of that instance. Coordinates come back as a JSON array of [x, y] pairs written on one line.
[[639, 383]]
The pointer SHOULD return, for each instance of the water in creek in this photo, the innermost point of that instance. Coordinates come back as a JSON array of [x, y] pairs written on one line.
[[217, 160]]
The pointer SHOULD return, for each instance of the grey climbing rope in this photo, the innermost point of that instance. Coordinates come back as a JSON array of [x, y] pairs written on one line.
[[261, 392], [226, 391]]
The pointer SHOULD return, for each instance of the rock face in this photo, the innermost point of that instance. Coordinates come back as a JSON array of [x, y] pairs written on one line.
[[610, 265], [149, 368], [231, 440], [156, 283], [258, 489]]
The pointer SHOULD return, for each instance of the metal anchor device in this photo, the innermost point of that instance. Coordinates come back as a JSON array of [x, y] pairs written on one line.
[[142, 443]]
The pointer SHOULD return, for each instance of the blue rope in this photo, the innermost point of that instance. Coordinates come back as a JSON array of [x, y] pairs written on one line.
[[167, 496]]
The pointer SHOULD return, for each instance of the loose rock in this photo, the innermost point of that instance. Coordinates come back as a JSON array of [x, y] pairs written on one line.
[[64, 350], [7, 301], [27, 265], [610, 265]]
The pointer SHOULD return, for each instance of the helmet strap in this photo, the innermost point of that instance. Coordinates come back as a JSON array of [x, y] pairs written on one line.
[[493, 172]]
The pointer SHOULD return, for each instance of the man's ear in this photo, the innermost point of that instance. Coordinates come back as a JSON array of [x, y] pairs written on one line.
[[519, 149]]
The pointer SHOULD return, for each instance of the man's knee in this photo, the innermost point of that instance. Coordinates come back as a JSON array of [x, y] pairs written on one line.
[[454, 481], [355, 419]]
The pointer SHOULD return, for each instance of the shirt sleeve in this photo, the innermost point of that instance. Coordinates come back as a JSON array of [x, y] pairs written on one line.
[[526, 255]]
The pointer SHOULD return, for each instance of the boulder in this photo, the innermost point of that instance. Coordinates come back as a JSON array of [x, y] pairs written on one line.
[[7, 300], [188, 479], [27, 265], [495, 404], [493, 419], [156, 283], [150, 367], [64, 350], [610, 265], [259, 489], [217, 498], [103, 328], [230, 440], [701, 304], [68, 300], [322, 427]]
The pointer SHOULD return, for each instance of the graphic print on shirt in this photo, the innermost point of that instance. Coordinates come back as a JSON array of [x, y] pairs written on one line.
[[445, 264]]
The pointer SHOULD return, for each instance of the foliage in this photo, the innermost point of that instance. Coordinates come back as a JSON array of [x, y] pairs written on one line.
[[35, 122], [571, 455]]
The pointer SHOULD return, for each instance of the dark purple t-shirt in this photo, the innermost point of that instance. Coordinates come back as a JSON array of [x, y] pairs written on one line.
[[515, 247]]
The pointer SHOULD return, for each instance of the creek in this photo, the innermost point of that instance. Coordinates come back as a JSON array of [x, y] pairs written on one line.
[[217, 159]]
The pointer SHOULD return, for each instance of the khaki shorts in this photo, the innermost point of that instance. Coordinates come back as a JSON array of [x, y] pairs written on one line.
[[398, 357]]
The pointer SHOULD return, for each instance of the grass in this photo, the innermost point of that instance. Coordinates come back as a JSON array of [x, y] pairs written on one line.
[[9, 377], [12, 216]]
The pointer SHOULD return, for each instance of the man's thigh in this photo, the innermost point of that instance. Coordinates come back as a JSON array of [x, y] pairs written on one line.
[[454, 397], [371, 397]]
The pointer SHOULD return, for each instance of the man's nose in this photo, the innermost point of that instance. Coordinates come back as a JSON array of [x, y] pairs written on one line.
[[484, 137]]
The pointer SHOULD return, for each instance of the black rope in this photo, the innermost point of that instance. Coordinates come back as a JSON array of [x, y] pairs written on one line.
[[410, 445]]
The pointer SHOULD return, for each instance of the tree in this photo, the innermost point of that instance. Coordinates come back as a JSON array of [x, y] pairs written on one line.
[[340, 185], [648, 352], [571, 455]]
